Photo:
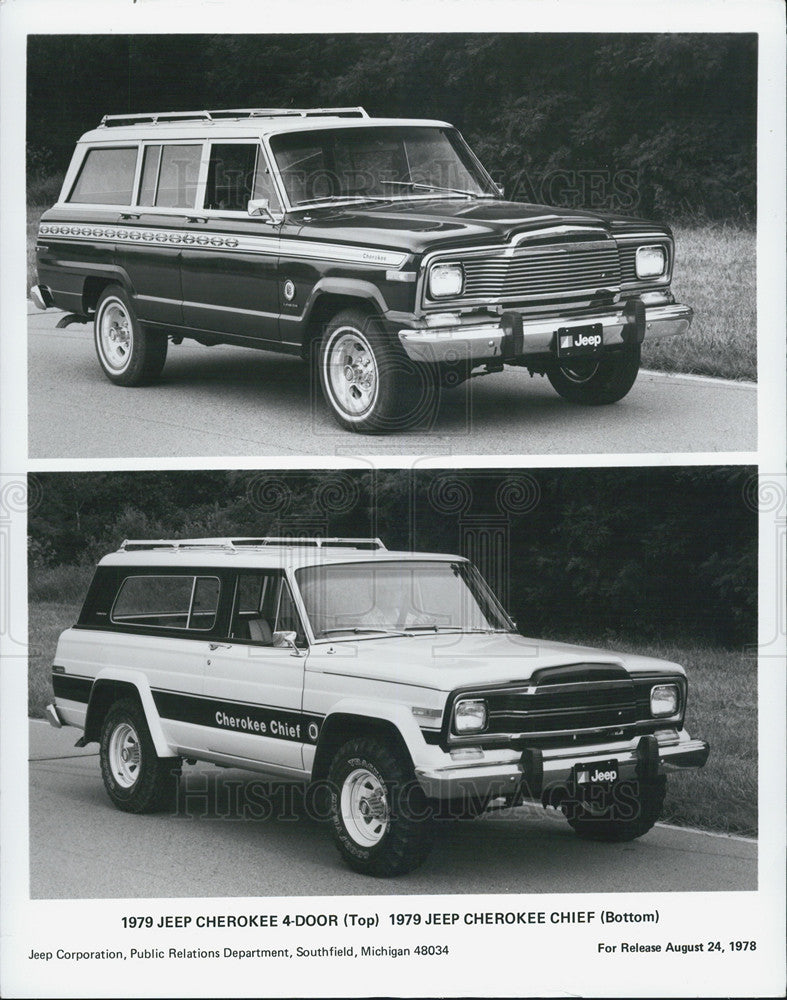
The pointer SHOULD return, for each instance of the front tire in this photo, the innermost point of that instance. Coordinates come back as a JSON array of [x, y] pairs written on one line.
[[137, 780], [368, 382], [635, 808], [381, 819], [599, 382], [128, 355]]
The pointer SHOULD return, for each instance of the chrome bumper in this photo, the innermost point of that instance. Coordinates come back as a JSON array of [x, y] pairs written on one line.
[[490, 340], [52, 717], [41, 296], [555, 767]]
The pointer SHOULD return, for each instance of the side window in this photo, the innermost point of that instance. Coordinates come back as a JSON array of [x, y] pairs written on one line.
[[178, 176], [204, 603], [177, 602], [287, 617], [252, 612], [231, 175], [106, 177]]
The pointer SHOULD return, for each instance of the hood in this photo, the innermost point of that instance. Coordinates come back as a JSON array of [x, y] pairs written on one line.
[[417, 226], [448, 661]]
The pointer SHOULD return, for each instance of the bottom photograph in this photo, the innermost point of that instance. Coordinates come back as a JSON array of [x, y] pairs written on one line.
[[250, 683]]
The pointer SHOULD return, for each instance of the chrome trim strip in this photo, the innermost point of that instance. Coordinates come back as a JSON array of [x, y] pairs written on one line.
[[212, 240]]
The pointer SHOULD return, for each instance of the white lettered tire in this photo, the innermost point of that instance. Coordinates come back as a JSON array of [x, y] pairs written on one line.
[[368, 382], [137, 780], [381, 820], [128, 355]]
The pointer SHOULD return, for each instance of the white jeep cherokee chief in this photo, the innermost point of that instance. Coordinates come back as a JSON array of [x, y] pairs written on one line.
[[394, 679]]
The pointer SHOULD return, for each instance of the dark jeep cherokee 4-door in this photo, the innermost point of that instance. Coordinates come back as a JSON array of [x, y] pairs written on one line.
[[379, 248]]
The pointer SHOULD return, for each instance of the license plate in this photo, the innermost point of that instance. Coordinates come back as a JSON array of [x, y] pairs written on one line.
[[603, 773], [579, 341]]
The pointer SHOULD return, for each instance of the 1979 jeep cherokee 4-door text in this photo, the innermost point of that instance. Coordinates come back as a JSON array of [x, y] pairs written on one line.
[[394, 682], [379, 248]]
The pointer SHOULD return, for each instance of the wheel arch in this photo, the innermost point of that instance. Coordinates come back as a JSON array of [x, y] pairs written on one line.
[[94, 284], [332, 295], [349, 722], [112, 686]]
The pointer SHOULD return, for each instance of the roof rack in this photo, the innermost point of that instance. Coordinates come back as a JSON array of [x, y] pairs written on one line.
[[236, 544], [162, 117]]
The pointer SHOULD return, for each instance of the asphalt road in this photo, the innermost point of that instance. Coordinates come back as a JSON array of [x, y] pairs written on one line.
[[235, 401], [82, 847]]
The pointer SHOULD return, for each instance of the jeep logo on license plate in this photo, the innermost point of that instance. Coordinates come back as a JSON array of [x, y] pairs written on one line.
[[578, 341], [603, 772]]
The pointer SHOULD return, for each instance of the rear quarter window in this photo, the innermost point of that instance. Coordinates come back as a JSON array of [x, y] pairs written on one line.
[[171, 602], [106, 177]]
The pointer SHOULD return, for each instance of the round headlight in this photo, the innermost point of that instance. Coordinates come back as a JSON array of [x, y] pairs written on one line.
[[651, 262], [469, 716], [664, 699], [446, 281]]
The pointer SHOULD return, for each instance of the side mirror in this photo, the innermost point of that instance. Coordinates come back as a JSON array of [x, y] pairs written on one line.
[[283, 639], [260, 207], [501, 190]]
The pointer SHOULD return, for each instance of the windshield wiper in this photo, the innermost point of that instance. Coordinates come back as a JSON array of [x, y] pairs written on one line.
[[415, 186], [453, 628], [356, 630]]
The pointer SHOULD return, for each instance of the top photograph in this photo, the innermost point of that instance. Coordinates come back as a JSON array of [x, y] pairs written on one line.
[[298, 245]]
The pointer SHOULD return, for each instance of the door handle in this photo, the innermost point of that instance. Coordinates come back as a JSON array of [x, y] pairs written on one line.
[[128, 215], [196, 218], [213, 646]]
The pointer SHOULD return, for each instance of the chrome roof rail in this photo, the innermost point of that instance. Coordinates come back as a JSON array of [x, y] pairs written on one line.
[[265, 541], [162, 117]]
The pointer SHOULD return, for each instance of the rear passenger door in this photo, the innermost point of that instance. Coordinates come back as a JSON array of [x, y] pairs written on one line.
[[255, 687], [229, 263], [151, 232]]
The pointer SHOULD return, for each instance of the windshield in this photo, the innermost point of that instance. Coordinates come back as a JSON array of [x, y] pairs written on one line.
[[400, 597], [377, 162]]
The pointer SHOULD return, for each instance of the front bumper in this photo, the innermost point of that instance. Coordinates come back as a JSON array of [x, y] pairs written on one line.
[[535, 773], [517, 335]]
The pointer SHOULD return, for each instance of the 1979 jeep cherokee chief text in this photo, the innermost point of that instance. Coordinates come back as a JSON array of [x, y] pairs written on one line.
[[393, 681], [379, 248]]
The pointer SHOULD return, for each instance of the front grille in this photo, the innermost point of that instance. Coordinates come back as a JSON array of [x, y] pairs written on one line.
[[551, 708], [628, 263], [546, 272]]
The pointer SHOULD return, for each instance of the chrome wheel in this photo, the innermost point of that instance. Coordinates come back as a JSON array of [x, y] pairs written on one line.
[[351, 372], [125, 755], [364, 807], [115, 335]]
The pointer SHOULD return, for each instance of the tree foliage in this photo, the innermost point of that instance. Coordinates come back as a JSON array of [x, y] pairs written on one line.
[[651, 553], [677, 111]]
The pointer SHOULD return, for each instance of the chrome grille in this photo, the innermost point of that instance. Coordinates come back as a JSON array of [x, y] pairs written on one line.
[[554, 708], [628, 263], [549, 271]]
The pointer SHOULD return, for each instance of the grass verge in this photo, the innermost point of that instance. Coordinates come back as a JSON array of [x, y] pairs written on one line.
[[722, 709], [715, 274]]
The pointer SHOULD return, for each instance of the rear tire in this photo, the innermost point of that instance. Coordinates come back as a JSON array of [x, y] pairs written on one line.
[[597, 382], [637, 806], [368, 382], [137, 780], [128, 355], [380, 817]]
